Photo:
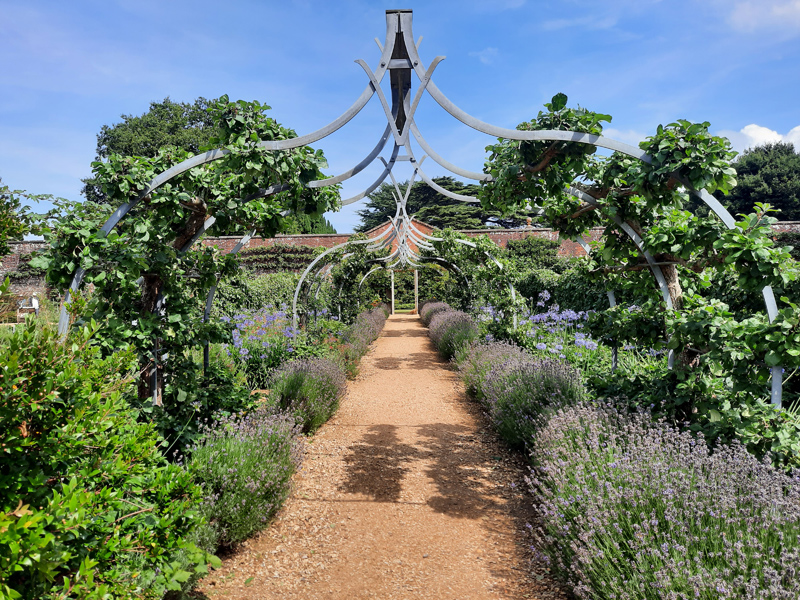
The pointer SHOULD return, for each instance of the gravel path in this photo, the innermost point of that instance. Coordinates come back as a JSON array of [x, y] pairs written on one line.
[[406, 493]]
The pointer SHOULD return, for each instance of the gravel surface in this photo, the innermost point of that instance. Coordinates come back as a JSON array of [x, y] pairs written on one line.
[[405, 493]]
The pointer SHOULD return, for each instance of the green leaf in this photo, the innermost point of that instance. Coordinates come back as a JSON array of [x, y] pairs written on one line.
[[558, 102]]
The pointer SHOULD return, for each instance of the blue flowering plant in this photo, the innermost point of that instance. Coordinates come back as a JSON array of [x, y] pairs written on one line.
[[552, 332], [262, 340]]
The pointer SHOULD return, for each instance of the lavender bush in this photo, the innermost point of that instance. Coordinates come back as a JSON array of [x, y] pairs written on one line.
[[244, 464], [475, 360], [430, 309], [635, 510], [517, 390], [355, 341], [309, 390], [451, 330]]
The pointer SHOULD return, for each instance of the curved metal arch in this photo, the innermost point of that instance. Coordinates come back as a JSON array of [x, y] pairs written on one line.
[[316, 260], [219, 153], [595, 140]]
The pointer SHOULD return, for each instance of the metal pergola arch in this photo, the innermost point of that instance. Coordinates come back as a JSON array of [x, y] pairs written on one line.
[[399, 57]]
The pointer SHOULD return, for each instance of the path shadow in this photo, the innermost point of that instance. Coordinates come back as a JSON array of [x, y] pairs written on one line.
[[388, 363], [459, 470], [427, 361], [376, 465]]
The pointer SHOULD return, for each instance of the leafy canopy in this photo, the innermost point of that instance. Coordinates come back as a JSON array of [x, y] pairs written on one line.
[[147, 285], [622, 193]]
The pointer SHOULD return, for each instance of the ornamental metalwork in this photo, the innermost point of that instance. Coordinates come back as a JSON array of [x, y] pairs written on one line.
[[400, 60]]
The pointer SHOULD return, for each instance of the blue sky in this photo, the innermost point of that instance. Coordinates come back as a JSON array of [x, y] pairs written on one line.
[[67, 68]]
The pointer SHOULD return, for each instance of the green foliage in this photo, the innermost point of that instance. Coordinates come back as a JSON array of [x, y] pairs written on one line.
[[769, 174], [536, 253], [489, 275], [305, 224], [189, 127], [245, 291], [704, 263], [15, 221], [278, 257], [350, 265], [89, 508], [429, 206], [147, 286]]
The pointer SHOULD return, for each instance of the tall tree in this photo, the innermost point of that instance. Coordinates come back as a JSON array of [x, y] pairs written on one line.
[[14, 218], [186, 126], [433, 208], [769, 174]]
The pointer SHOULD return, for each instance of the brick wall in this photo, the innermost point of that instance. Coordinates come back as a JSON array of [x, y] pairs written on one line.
[[328, 240]]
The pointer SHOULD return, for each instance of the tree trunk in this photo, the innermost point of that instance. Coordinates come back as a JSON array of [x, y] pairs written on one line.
[[152, 288]]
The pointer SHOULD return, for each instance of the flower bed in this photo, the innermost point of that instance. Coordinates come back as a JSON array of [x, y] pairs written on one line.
[[633, 508]]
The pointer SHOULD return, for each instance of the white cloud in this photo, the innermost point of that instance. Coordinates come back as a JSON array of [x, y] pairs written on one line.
[[628, 136], [774, 15], [757, 135], [487, 55]]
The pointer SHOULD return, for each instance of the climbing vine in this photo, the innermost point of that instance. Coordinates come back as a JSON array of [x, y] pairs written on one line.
[[576, 189], [149, 284]]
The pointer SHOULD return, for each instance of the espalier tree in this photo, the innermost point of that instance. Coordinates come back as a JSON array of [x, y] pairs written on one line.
[[651, 200], [149, 285]]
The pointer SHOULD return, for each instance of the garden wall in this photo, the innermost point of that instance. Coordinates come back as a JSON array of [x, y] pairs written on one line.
[[500, 237]]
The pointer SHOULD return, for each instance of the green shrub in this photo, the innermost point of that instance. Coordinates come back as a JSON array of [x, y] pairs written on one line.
[[244, 464], [573, 288], [192, 397], [430, 309], [309, 390], [536, 253], [247, 292], [89, 507], [451, 330]]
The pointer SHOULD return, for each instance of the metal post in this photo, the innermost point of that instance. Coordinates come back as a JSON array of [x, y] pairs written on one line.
[[392, 272], [416, 291]]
